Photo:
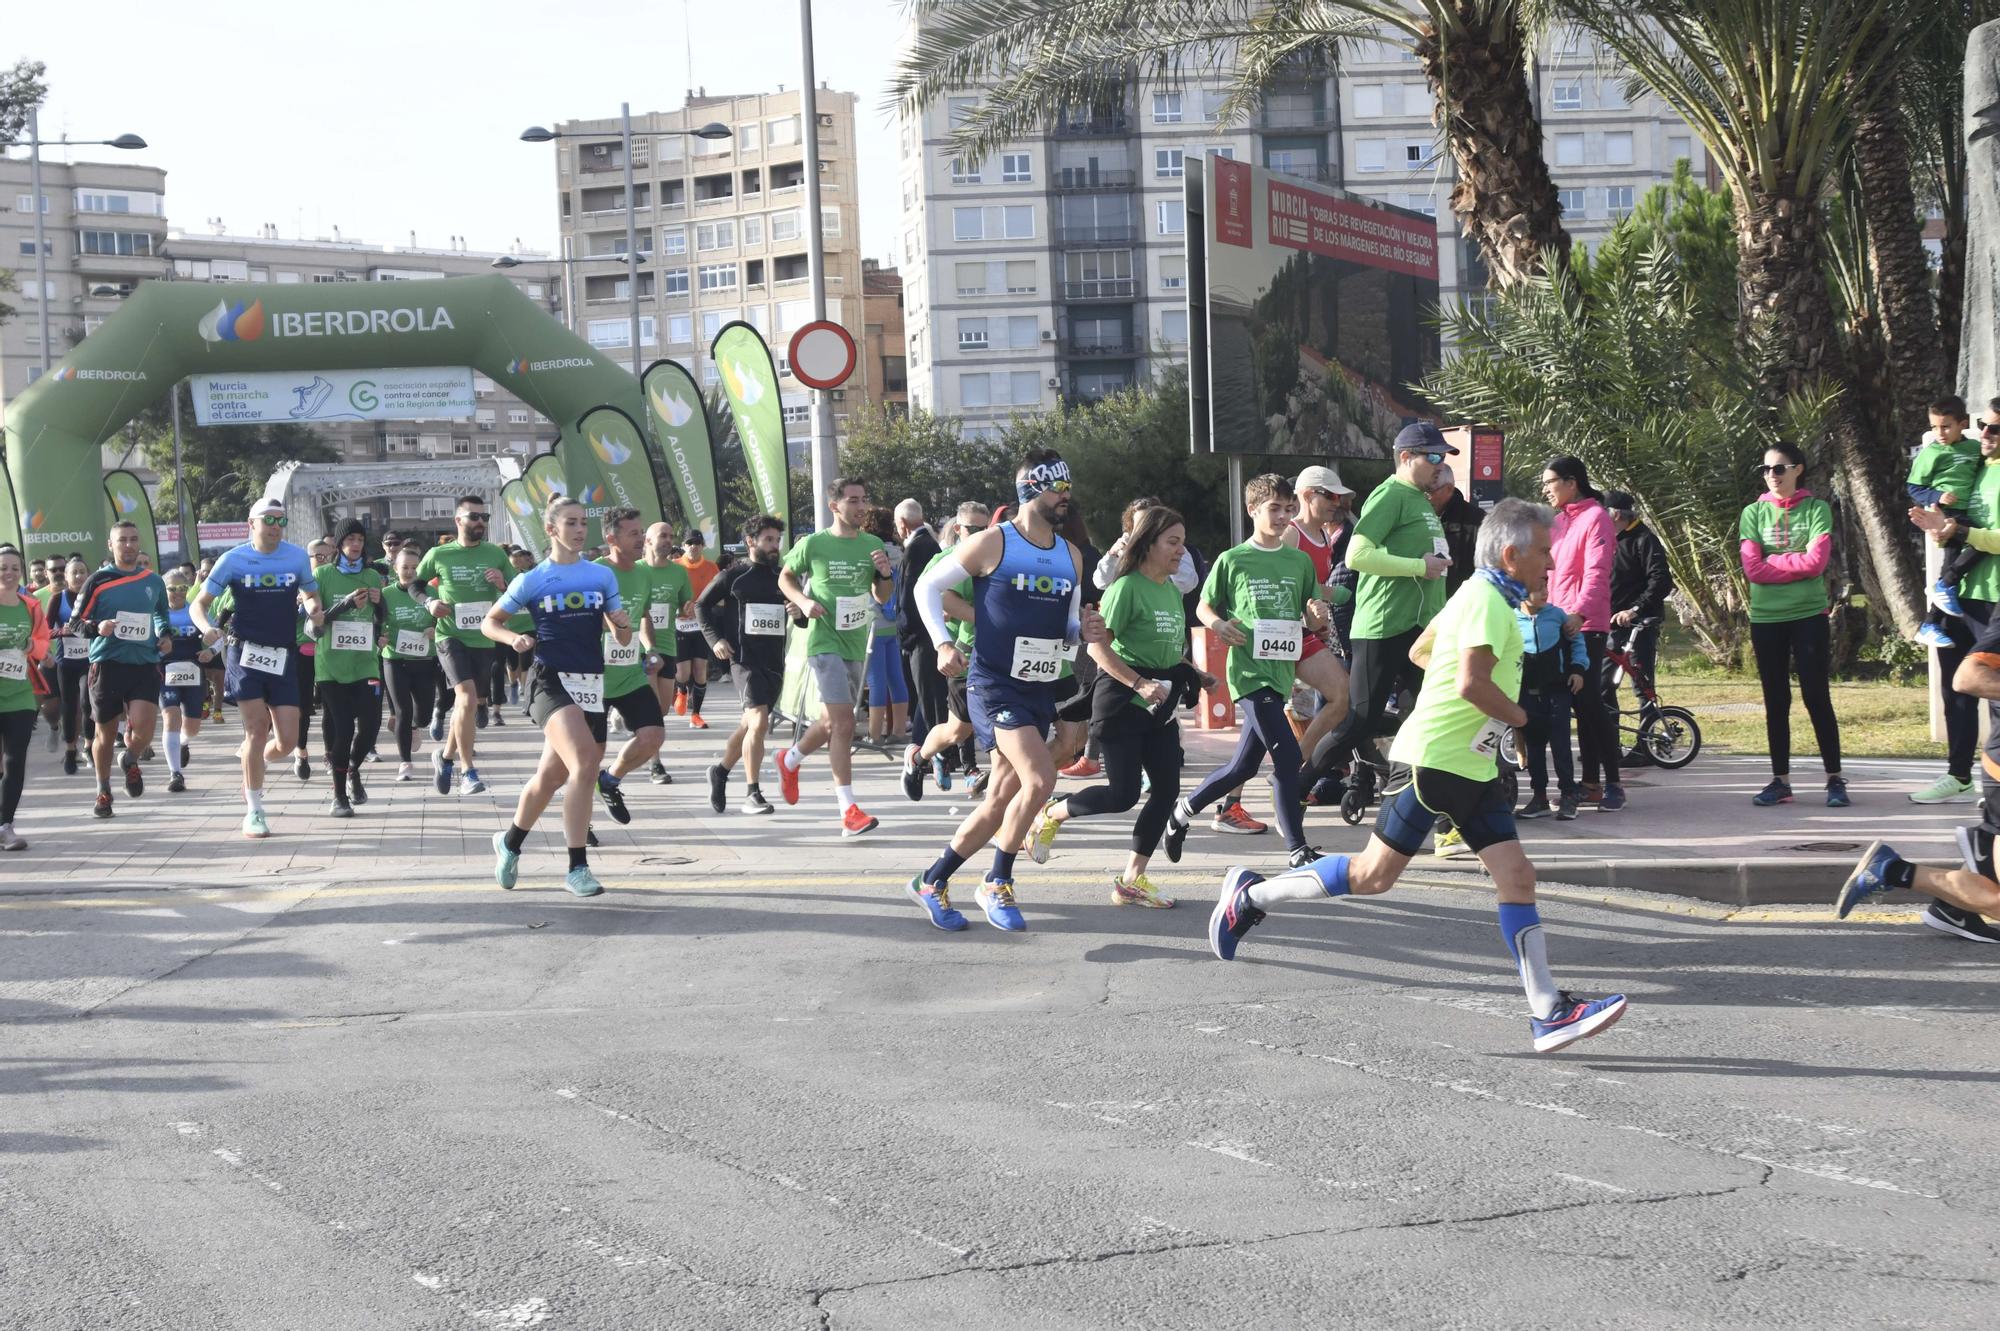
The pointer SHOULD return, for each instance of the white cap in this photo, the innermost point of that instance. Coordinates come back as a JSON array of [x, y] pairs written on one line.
[[266, 505], [1320, 478]]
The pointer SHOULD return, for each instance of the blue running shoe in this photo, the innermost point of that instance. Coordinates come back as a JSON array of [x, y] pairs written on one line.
[[440, 774], [936, 903], [940, 773], [1575, 1019], [997, 900], [1613, 799], [1945, 597], [1933, 635], [1867, 880], [1233, 915], [581, 882], [1778, 792], [506, 863], [1836, 793], [437, 725]]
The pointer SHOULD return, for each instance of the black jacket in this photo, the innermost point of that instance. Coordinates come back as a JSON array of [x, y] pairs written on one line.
[[918, 552], [1640, 579], [1461, 518]]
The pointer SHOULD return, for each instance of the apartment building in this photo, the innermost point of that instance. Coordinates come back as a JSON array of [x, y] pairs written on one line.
[[1056, 269], [882, 347], [721, 232]]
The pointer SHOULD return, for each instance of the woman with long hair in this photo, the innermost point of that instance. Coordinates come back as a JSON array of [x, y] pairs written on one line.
[[24, 643], [409, 655]]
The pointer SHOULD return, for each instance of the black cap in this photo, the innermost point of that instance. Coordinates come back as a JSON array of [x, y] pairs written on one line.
[[1422, 437], [1618, 501]]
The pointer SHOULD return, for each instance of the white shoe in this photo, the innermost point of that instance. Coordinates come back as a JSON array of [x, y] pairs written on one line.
[[406, 772], [9, 840]]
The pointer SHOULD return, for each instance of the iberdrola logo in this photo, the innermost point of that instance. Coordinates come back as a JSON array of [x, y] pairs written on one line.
[[520, 506], [232, 323], [591, 494], [36, 519], [517, 366], [672, 410], [126, 503], [63, 375], [610, 451], [744, 388]]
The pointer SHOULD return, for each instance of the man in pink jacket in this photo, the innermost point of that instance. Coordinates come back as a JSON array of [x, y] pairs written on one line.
[[1585, 541]]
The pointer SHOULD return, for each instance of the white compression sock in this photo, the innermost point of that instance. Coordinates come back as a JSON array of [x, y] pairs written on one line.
[[1298, 885], [846, 795], [174, 752]]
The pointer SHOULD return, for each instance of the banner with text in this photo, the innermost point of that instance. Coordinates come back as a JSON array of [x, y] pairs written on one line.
[[435, 393], [750, 385], [129, 504], [527, 519], [680, 422], [618, 447]]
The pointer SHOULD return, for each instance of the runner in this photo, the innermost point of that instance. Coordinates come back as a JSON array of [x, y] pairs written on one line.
[[691, 666], [1322, 500], [673, 603], [626, 685], [846, 573], [742, 615], [123, 612], [73, 669], [1143, 674], [265, 579], [183, 687], [409, 654], [467, 571], [24, 645], [349, 666], [1444, 755], [305, 653], [888, 687], [1028, 598], [516, 664], [952, 727], [574, 604]]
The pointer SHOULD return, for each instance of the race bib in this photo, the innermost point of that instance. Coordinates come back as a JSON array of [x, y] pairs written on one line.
[[264, 660], [467, 616], [764, 621], [614, 655], [412, 643], [1487, 740], [75, 649], [1276, 639], [353, 635], [687, 626], [13, 665], [183, 674], [1440, 547], [1039, 660], [134, 626], [851, 612], [586, 691], [661, 615]]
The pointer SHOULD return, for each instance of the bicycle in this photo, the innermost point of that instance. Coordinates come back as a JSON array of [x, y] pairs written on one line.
[[1668, 737]]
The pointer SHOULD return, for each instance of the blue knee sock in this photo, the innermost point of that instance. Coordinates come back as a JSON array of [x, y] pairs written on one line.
[[1324, 877], [1521, 926]]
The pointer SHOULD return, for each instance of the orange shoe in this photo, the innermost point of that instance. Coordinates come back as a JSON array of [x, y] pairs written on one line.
[[1084, 767], [1235, 818], [695, 722], [680, 704], [854, 822], [788, 779]]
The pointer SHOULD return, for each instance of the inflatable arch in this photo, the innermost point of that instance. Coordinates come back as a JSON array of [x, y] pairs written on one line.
[[169, 330]]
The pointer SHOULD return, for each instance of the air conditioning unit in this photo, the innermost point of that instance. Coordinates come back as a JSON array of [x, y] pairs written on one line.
[[1048, 335], [839, 394], [1055, 383], [600, 150]]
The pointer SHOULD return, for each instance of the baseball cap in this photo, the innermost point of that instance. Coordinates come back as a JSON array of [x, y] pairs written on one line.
[[1320, 478], [1422, 437], [1618, 501], [266, 505]]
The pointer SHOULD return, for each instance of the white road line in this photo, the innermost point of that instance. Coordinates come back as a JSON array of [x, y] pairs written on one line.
[[1591, 1182]]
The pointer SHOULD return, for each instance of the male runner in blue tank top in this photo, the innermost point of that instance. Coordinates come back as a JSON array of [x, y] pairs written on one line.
[[1027, 596]]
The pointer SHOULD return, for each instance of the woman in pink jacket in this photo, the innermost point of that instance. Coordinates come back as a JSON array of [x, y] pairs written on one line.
[[1585, 546]]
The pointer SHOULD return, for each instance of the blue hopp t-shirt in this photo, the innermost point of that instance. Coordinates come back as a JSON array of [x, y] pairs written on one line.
[[568, 603], [1026, 596], [266, 591]]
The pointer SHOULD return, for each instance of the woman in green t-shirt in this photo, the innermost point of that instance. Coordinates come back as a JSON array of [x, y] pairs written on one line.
[[409, 655], [1142, 672], [1786, 542], [24, 644], [347, 668]]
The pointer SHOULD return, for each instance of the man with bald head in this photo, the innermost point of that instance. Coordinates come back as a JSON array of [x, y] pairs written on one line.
[[926, 685], [673, 598]]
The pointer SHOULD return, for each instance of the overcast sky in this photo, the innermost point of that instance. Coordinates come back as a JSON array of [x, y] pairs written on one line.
[[386, 118]]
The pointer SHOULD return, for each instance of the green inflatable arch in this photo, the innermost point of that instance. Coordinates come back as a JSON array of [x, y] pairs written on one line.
[[170, 330]]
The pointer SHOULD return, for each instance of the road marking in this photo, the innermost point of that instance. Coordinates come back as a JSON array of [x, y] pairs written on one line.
[[1234, 1150], [1591, 1182]]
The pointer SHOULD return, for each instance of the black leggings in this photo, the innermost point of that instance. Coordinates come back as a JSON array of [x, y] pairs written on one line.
[[1596, 718], [1130, 748], [1802, 645], [15, 729], [1377, 671], [1265, 730], [350, 719], [412, 689], [74, 681]]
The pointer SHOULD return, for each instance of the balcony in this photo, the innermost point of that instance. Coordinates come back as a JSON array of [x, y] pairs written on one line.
[[1098, 288], [118, 265], [1097, 126], [1096, 237], [1084, 180], [1326, 173], [1084, 348], [1295, 114], [595, 158]]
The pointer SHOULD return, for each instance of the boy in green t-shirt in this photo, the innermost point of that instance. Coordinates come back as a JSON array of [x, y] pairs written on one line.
[[1942, 474]]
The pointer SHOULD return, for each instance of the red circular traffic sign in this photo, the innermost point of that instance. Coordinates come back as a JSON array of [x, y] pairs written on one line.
[[822, 354]]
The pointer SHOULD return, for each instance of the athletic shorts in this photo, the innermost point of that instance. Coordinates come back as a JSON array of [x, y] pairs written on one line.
[[1417, 795], [639, 708], [115, 684], [241, 686], [758, 686], [1008, 704], [692, 647], [839, 679], [547, 696], [190, 698], [886, 684], [955, 699], [465, 665]]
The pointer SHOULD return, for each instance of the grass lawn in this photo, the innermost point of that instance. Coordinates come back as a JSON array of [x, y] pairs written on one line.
[[1878, 719]]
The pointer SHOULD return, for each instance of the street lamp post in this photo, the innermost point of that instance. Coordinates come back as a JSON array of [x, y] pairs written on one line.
[[824, 461], [39, 208]]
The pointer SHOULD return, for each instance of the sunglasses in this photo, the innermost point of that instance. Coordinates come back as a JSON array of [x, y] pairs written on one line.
[[1780, 468], [1435, 459], [276, 520], [475, 517], [1989, 427]]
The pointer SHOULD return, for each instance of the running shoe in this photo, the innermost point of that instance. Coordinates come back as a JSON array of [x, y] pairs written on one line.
[[176, 783], [374, 756], [695, 722], [340, 808], [1177, 829], [1084, 768], [1566, 809], [913, 774], [975, 781], [1941, 917], [102, 808], [1945, 597], [470, 784], [499, 717], [936, 904], [1589, 793], [1778, 792], [1139, 892], [10, 839], [1043, 835], [853, 822], [581, 882], [437, 725], [357, 793], [788, 778], [1947, 789], [1305, 855], [617, 724], [613, 797], [1867, 879], [718, 787], [70, 763], [1975, 849], [940, 773], [1836, 793], [1537, 807], [659, 775], [301, 767], [1575, 1019], [506, 863], [479, 718], [187, 753], [590, 838], [135, 780], [1233, 915], [255, 825], [1933, 635], [1450, 844], [50, 743], [149, 755], [680, 704], [1613, 798], [997, 900], [754, 801], [1234, 818], [406, 771]]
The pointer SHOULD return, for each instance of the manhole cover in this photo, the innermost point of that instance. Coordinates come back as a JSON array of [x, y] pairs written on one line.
[[665, 860], [1824, 847]]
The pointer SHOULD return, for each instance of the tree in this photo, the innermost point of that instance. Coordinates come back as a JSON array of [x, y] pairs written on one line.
[[1933, 91], [21, 90], [926, 458], [226, 465]]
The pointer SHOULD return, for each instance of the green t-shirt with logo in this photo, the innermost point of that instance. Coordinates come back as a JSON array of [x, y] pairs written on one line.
[[16, 634], [1399, 520], [460, 571], [339, 665], [635, 594], [671, 588], [1445, 732], [1247, 584], [404, 613], [837, 570], [1982, 509], [1786, 531], [1147, 621]]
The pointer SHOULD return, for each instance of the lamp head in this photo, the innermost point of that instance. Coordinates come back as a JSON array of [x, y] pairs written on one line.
[[537, 134]]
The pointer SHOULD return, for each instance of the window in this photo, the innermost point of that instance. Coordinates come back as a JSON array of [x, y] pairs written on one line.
[[676, 281], [1020, 277], [785, 226], [461, 447], [1169, 163], [1211, 104], [1568, 96], [1022, 388], [1618, 200], [1611, 95], [796, 413], [1569, 150], [1367, 101], [1170, 216], [28, 246], [829, 221], [750, 137], [1022, 331], [1173, 272], [137, 202], [1571, 201], [712, 321], [1166, 108], [1416, 154], [783, 130], [958, 110], [1008, 222], [517, 415], [608, 333], [1618, 148], [1370, 155], [962, 174], [674, 241], [972, 335], [1091, 274], [971, 278], [680, 329], [753, 231], [1174, 327], [286, 279], [1680, 148], [25, 203], [718, 277], [975, 390], [1016, 168], [483, 416], [127, 243], [968, 224], [715, 235], [488, 448]]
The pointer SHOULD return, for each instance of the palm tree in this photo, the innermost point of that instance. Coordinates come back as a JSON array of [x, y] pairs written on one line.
[[1036, 58], [1933, 91]]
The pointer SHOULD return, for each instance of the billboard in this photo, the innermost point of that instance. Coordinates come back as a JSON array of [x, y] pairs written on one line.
[[284, 397], [1311, 312]]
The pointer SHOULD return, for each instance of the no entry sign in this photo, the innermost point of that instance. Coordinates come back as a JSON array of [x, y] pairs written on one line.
[[822, 354]]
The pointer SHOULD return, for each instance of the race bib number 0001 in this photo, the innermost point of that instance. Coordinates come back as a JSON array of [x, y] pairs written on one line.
[[1039, 660], [134, 626], [75, 649], [586, 691], [851, 612], [353, 636], [1276, 639], [467, 616], [614, 655], [410, 642], [183, 674], [764, 621], [264, 660], [13, 665]]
